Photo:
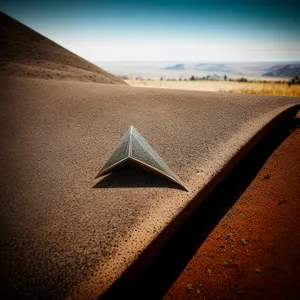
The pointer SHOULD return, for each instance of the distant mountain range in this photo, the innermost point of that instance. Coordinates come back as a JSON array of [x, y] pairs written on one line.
[[290, 70], [277, 70], [240, 69], [211, 67], [207, 67], [175, 67]]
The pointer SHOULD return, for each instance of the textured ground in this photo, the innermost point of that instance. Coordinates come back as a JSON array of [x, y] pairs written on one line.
[[26, 53], [267, 216], [62, 232]]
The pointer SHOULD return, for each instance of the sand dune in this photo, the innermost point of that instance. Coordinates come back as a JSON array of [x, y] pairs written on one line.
[[26, 53]]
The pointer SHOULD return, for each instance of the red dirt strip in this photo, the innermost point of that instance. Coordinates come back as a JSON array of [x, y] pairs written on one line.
[[254, 251]]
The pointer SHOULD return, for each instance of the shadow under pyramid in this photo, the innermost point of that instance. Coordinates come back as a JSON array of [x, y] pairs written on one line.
[[134, 152]]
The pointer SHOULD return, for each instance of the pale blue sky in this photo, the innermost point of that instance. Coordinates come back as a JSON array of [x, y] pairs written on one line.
[[171, 30]]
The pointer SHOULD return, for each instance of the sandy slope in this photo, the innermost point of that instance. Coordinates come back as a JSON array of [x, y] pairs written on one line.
[[26, 53], [55, 137]]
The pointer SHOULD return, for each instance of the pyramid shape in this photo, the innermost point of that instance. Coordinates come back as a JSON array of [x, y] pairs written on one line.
[[134, 151], [22, 47]]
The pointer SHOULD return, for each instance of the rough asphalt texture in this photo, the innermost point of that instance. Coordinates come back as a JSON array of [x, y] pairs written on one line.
[[59, 226]]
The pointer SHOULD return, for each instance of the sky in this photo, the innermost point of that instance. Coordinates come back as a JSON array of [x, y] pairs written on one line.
[[168, 30]]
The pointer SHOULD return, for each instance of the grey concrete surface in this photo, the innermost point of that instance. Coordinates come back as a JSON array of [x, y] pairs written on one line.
[[65, 233]]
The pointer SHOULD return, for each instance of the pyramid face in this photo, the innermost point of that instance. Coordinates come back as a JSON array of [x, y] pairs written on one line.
[[119, 155], [134, 150]]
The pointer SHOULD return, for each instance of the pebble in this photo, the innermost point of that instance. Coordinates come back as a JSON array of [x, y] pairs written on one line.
[[226, 263], [189, 287], [244, 242], [267, 176], [257, 271], [229, 236]]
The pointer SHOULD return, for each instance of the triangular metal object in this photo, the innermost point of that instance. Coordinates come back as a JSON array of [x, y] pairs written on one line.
[[135, 151]]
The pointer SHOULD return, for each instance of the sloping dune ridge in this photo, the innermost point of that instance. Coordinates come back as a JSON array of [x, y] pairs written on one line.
[[61, 231], [26, 53]]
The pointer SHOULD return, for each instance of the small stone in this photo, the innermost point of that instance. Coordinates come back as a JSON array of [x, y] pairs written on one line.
[[244, 242], [189, 287], [209, 271], [222, 246], [226, 263], [257, 271], [198, 291], [281, 202], [229, 236], [267, 176]]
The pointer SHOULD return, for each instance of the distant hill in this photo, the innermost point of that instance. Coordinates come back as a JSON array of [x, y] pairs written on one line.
[[289, 70], [175, 67], [26, 53], [214, 67]]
